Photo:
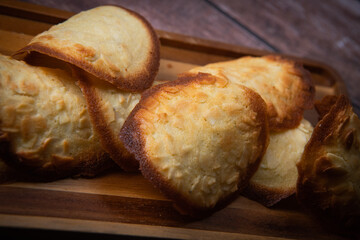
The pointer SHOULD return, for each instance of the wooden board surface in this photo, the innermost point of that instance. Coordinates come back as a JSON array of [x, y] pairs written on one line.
[[126, 204]]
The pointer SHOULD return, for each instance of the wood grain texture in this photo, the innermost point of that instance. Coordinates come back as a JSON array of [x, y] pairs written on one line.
[[90, 229], [19, 25], [327, 31], [243, 217], [192, 18]]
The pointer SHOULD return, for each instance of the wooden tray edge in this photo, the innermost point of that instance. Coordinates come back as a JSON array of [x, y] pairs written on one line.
[[92, 226]]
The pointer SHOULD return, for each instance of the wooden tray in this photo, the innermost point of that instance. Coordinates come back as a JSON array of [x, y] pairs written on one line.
[[126, 204]]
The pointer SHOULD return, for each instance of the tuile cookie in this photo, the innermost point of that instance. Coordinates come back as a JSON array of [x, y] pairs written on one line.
[[45, 127], [198, 139], [285, 85], [112, 43], [329, 170], [277, 174]]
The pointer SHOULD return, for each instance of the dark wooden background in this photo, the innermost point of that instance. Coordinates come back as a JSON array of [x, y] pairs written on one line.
[[323, 30]]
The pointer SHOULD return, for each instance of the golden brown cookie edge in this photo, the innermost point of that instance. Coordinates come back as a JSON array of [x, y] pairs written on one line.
[[130, 134], [137, 83]]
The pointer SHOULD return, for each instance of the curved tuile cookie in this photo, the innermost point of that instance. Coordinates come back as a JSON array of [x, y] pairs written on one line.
[[44, 123], [199, 139], [112, 43], [108, 109], [329, 170], [285, 85], [277, 174]]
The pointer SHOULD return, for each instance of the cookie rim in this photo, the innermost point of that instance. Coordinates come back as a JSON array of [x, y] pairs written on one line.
[[132, 138], [140, 80]]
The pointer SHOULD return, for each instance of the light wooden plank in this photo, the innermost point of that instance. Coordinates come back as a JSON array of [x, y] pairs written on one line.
[[248, 219], [115, 184], [10, 42], [25, 26]]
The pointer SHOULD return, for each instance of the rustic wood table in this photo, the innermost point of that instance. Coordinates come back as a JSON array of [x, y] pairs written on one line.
[[325, 30], [318, 33]]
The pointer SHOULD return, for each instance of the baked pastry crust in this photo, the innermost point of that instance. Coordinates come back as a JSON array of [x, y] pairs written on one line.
[[324, 105], [108, 109], [198, 139], [277, 174], [101, 41], [109, 74], [285, 85], [329, 170], [45, 127]]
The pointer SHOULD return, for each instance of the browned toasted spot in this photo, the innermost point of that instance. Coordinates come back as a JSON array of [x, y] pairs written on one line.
[[324, 106], [46, 37], [85, 51]]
